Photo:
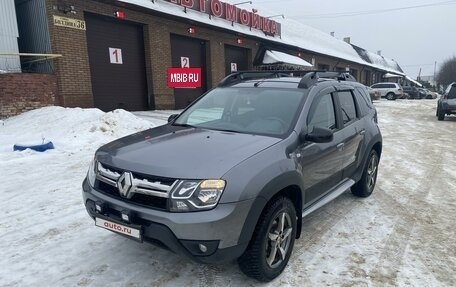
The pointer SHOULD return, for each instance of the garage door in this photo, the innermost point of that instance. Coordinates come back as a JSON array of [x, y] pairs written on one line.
[[190, 53], [117, 63], [236, 59]]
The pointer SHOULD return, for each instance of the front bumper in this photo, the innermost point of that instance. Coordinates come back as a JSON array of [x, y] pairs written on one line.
[[219, 230], [449, 108]]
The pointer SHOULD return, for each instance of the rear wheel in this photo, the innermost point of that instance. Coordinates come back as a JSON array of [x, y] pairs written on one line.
[[270, 247], [365, 186], [390, 96]]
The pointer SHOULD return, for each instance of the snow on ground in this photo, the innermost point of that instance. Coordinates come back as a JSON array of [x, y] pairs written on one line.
[[403, 235]]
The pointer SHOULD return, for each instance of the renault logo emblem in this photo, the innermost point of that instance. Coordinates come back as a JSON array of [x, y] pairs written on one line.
[[125, 184]]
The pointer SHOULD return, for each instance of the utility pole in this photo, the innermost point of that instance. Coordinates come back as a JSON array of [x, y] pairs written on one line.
[[435, 68]]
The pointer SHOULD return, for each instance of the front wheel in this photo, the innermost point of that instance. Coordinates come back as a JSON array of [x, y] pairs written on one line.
[[440, 114], [365, 186], [270, 247]]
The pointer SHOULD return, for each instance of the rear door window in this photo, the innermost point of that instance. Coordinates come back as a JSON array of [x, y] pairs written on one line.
[[348, 107]]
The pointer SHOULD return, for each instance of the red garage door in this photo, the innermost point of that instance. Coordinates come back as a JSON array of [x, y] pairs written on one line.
[[117, 63]]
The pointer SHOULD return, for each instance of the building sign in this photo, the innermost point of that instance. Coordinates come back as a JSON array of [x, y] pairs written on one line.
[[69, 22], [184, 78], [185, 62], [233, 67], [115, 56], [229, 12]]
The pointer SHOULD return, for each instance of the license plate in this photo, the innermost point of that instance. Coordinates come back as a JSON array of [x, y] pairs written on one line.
[[119, 228]]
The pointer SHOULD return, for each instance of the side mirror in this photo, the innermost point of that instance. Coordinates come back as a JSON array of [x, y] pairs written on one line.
[[319, 135], [172, 117]]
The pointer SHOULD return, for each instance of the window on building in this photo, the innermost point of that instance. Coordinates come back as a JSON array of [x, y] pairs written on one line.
[[323, 67], [354, 73]]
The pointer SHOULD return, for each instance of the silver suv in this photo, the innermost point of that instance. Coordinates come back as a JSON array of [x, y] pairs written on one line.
[[233, 175], [390, 91]]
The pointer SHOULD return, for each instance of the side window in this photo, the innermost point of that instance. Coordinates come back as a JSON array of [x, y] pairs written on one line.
[[322, 114], [452, 92], [347, 105], [362, 103], [375, 86]]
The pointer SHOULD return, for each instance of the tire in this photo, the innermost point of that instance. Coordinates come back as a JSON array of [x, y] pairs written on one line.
[[440, 114], [263, 259], [365, 186], [391, 96]]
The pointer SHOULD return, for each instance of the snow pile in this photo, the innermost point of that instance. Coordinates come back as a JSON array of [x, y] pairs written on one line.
[[69, 128], [403, 235]]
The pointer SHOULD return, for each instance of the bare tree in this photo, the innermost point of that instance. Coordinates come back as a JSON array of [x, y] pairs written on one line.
[[447, 72]]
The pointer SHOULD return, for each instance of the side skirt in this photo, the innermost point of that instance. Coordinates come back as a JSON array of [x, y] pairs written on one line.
[[330, 196]]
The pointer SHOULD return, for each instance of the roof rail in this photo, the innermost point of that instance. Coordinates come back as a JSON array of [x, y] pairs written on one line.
[[312, 78], [238, 77], [309, 77]]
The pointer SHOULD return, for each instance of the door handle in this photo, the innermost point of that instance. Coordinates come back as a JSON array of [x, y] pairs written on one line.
[[340, 146], [363, 132]]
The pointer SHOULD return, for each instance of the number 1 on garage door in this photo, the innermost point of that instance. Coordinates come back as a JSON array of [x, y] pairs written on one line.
[[115, 56]]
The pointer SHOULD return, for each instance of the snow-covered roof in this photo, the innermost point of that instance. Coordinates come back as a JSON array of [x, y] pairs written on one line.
[[389, 75], [293, 33], [413, 81], [276, 57]]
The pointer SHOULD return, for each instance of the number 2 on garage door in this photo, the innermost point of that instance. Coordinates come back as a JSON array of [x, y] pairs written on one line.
[[185, 62]]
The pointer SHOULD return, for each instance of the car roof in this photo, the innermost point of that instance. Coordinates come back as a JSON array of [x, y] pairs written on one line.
[[284, 79]]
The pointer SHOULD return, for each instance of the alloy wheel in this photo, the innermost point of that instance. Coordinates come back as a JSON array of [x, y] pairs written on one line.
[[279, 239]]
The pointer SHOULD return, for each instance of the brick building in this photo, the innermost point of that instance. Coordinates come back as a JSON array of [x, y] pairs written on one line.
[[116, 54]]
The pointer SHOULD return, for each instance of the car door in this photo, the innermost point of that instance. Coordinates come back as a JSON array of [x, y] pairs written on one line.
[[321, 162], [353, 130], [380, 89]]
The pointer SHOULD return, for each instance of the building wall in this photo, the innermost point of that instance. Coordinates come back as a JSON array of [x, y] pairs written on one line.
[[23, 92], [73, 71]]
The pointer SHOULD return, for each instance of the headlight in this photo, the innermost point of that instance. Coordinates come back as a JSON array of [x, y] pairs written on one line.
[[91, 174], [195, 195]]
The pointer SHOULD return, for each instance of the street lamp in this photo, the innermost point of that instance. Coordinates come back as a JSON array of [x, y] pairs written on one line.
[[245, 2]]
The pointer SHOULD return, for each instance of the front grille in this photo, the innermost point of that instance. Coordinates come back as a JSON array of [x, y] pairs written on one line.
[[146, 190], [138, 198]]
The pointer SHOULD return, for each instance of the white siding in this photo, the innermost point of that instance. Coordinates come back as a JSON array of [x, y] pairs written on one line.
[[8, 37]]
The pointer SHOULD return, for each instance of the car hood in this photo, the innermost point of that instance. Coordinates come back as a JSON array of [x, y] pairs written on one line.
[[184, 153]]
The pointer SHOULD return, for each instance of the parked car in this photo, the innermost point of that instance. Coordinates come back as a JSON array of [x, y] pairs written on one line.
[[429, 94], [233, 175], [390, 91], [374, 94], [411, 92], [447, 103]]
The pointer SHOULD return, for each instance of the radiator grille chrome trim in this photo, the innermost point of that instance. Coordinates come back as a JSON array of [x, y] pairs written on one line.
[[142, 186]]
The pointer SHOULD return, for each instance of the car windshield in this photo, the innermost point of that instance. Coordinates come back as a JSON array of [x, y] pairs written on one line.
[[245, 110], [452, 92]]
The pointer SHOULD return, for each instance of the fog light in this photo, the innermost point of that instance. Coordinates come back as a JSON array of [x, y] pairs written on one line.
[[125, 217], [99, 206], [203, 248]]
